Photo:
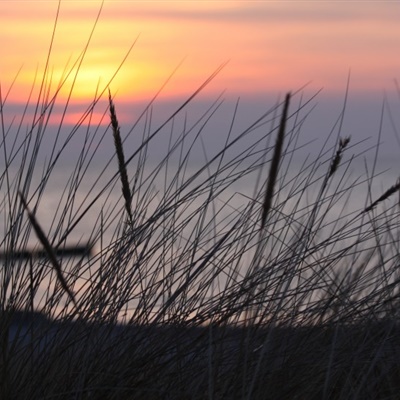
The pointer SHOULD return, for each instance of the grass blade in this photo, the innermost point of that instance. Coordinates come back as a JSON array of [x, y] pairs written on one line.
[[49, 250]]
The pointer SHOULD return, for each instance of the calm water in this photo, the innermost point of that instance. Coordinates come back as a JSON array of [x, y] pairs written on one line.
[[107, 212], [61, 194]]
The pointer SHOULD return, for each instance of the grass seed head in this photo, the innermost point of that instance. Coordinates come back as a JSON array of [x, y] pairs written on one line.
[[126, 192]]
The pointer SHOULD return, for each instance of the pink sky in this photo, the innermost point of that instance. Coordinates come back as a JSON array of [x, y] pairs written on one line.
[[272, 46]]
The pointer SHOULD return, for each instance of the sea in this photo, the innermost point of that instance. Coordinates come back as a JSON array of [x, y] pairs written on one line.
[[84, 205]]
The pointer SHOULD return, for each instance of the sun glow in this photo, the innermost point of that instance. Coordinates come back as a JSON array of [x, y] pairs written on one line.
[[270, 47]]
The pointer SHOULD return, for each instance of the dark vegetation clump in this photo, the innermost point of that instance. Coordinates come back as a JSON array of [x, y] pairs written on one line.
[[181, 290]]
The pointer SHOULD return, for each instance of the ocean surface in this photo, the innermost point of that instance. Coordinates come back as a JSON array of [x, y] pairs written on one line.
[[97, 193], [90, 207]]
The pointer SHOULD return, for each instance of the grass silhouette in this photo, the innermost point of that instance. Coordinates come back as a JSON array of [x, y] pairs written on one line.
[[281, 297]]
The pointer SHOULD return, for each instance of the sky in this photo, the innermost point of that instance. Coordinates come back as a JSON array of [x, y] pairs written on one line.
[[270, 47]]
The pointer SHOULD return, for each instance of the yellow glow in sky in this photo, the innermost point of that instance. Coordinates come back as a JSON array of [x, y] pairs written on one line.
[[272, 46]]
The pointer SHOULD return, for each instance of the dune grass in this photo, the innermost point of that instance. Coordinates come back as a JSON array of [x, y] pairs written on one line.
[[188, 294]]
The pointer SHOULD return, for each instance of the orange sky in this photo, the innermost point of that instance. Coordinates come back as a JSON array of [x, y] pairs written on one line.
[[271, 45]]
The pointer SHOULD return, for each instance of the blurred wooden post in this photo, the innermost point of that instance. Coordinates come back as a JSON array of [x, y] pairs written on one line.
[[65, 252]]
